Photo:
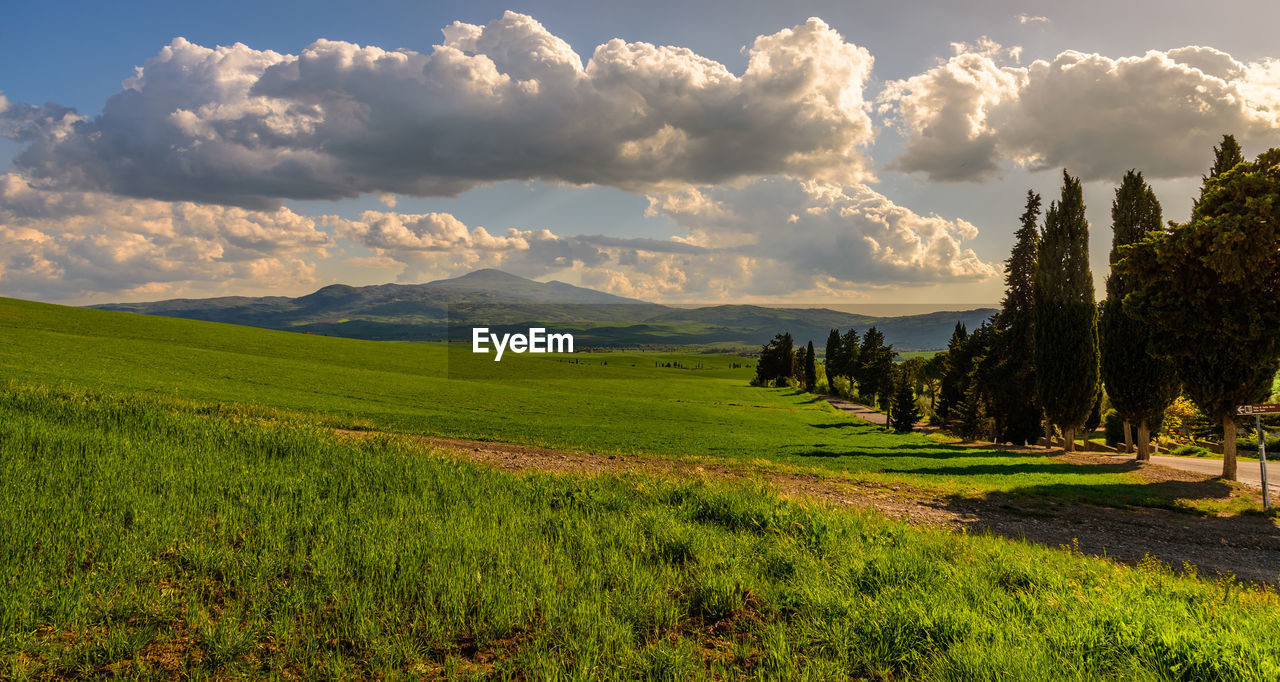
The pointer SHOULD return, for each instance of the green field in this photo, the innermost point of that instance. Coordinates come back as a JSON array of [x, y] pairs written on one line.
[[177, 502], [146, 536], [607, 402]]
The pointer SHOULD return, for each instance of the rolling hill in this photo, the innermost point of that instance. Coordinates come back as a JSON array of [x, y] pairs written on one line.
[[449, 308]]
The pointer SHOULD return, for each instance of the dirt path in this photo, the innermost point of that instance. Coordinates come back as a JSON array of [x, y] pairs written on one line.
[[1244, 546], [869, 414], [1248, 473]]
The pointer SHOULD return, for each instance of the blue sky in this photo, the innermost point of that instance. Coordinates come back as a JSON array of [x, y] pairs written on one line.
[[908, 194]]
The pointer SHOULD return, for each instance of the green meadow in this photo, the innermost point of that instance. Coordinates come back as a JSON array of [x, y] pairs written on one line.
[[600, 402], [182, 498], [149, 536]]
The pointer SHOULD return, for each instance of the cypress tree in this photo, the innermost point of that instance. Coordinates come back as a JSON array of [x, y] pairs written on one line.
[[832, 362], [1014, 400], [969, 416], [955, 372], [905, 414], [1211, 287], [849, 361], [1140, 384], [1066, 317], [810, 370], [797, 366], [1225, 157]]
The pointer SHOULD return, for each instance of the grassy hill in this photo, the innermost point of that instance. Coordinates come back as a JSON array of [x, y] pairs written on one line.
[[448, 308], [177, 502], [602, 402]]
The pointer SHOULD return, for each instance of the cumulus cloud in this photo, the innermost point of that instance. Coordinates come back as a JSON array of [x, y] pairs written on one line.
[[508, 100], [68, 245], [767, 236], [1160, 112], [1025, 19]]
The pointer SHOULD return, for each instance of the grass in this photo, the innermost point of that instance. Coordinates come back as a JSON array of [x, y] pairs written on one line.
[[607, 402], [151, 536]]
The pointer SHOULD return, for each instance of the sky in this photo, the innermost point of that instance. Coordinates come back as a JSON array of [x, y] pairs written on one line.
[[799, 152]]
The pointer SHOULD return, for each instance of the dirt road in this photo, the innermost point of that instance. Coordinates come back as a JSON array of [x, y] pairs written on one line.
[[1248, 473]]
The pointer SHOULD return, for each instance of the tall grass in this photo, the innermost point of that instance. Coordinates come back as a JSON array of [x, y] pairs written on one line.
[[157, 536]]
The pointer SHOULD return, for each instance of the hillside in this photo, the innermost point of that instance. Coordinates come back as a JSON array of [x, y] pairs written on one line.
[[186, 498], [422, 312]]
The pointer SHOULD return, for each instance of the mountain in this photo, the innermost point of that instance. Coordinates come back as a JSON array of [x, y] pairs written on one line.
[[448, 308]]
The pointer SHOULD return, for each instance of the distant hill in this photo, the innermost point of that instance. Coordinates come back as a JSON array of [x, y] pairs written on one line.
[[450, 307]]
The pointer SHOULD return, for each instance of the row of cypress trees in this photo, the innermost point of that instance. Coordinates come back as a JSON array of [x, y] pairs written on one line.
[[1191, 307]]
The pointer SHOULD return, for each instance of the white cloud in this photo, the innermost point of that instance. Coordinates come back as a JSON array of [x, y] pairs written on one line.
[[1160, 112], [72, 245], [508, 100], [1025, 19], [772, 236]]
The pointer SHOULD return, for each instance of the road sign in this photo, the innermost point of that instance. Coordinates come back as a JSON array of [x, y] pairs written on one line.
[[1265, 408]]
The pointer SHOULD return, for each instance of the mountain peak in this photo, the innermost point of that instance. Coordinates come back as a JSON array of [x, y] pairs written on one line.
[[491, 275]]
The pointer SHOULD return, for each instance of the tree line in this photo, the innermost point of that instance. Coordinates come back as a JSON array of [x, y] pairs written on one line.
[[1191, 309]]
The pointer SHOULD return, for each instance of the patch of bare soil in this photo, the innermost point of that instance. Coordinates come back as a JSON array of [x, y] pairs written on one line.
[[1246, 546]]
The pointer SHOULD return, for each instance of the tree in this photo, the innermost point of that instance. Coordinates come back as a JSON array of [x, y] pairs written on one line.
[[905, 414], [1225, 157], [776, 360], [1066, 317], [1095, 418], [810, 370], [1211, 288], [797, 366], [1140, 383], [970, 419], [832, 361], [955, 372], [866, 373], [934, 369], [849, 344], [1014, 400]]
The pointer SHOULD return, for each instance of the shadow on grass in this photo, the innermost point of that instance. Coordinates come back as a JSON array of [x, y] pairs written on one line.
[[1046, 467], [1127, 522], [920, 450]]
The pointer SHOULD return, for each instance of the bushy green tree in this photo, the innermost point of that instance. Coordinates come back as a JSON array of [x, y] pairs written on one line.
[[864, 372], [776, 360], [849, 361], [1140, 382], [810, 369], [1066, 317], [1211, 288], [934, 369], [1015, 402]]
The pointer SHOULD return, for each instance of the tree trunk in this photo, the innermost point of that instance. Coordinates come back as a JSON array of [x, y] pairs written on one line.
[[1069, 439], [1128, 438], [1144, 440], [1229, 447]]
